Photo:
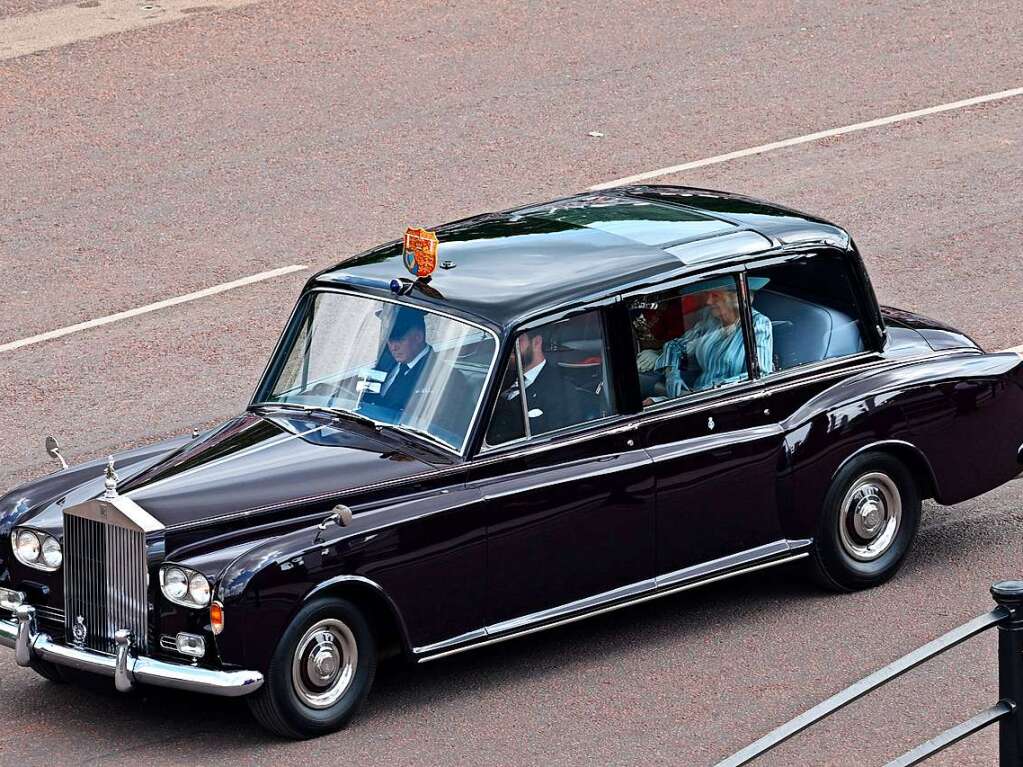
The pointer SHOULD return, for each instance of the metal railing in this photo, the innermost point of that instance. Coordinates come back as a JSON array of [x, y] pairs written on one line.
[[1008, 617]]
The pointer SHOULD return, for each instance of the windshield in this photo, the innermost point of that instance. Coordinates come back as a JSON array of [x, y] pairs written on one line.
[[395, 364]]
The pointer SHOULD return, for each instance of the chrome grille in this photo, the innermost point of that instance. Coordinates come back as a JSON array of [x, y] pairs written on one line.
[[105, 580], [51, 619]]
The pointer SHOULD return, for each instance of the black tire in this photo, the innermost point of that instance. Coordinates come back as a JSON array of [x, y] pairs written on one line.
[[281, 704], [49, 671], [842, 560]]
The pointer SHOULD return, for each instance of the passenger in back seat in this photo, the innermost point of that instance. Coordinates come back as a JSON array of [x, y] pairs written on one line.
[[713, 350]]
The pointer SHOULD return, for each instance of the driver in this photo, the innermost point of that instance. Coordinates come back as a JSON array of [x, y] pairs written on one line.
[[715, 345], [407, 345]]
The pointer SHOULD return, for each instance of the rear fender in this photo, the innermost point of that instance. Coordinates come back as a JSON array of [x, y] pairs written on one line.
[[955, 420]]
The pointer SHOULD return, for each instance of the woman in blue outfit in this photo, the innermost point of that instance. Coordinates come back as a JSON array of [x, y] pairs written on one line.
[[713, 348]]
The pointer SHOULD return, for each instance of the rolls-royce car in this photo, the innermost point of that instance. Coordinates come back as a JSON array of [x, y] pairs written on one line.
[[505, 424]]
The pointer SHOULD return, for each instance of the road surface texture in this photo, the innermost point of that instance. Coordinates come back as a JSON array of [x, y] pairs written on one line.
[[148, 164]]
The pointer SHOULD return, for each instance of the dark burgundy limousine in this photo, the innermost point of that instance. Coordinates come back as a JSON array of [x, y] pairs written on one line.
[[504, 425]]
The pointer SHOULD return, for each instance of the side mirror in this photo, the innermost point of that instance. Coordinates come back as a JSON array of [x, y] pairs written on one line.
[[53, 450], [341, 516]]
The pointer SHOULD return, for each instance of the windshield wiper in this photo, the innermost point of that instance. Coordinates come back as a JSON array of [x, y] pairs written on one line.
[[421, 433], [332, 412]]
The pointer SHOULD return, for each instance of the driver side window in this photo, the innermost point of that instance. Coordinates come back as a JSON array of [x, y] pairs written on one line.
[[692, 338]]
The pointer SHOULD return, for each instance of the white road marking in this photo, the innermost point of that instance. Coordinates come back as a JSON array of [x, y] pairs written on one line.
[[50, 335], [89, 19], [881, 121]]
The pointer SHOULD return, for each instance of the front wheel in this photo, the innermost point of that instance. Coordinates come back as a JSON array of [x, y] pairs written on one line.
[[870, 518], [320, 672]]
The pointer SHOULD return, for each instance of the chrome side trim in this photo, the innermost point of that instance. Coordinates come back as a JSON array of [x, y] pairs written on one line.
[[732, 560], [712, 441], [547, 482], [580, 605], [468, 636], [624, 596]]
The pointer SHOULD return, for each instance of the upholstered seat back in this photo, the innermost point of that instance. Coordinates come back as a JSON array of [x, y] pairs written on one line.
[[806, 332]]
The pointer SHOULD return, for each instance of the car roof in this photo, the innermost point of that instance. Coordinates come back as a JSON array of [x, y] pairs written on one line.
[[506, 267]]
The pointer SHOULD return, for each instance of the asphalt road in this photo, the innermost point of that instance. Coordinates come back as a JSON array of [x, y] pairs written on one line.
[[145, 165]]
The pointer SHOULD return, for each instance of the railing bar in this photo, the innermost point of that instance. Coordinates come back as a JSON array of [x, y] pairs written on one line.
[[855, 691], [953, 735]]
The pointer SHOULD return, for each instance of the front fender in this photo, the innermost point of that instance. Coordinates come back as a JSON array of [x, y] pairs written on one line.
[[263, 589]]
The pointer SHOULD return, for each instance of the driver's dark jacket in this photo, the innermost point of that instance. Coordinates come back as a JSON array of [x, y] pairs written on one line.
[[453, 413]]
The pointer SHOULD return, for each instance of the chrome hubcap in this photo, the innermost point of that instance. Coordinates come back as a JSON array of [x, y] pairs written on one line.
[[870, 517], [324, 663]]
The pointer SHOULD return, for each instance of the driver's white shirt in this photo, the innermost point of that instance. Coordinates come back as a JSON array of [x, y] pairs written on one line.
[[394, 371]]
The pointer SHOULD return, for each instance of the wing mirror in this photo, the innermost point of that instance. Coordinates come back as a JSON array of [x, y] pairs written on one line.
[[53, 450], [341, 515]]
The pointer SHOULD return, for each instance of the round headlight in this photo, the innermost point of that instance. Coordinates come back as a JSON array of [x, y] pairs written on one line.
[[28, 546], [52, 556], [175, 583], [199, 589]]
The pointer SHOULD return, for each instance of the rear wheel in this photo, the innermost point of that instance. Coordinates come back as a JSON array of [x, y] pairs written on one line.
[[870, 518], [320, 672]]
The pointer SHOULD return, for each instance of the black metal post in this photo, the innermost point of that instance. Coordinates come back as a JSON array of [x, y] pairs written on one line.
[[1009, 594]]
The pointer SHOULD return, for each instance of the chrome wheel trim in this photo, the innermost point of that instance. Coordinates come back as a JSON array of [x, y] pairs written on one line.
[[870, 516], [324, 663]]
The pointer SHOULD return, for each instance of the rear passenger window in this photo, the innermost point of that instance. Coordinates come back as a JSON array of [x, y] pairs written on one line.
[[812, 307], [691, 339], [564, 369]]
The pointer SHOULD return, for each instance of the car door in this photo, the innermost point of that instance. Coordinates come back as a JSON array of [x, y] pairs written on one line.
[[569, 499], [715, 469]]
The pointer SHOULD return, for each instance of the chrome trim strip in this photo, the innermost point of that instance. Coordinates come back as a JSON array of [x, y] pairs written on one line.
[[544, 481], [145, 670], [732, 560], [711, 442], [468, 636], [633, 593], [623, 592], [611, 608]]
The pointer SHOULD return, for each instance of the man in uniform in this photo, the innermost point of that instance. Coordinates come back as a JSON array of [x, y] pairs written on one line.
[[552, 402]]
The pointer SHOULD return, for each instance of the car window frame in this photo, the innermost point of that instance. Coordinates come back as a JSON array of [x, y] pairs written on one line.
[[530, 441], [294, 327], [738, 272]]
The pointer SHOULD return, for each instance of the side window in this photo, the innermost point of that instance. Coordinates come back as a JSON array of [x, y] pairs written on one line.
[[564, 369], [689, 339], [809, 309]]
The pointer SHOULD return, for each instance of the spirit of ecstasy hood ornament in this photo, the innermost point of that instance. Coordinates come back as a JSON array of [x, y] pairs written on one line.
[[110, 483]]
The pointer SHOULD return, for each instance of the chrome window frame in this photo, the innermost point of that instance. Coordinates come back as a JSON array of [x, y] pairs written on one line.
[[473, 421]]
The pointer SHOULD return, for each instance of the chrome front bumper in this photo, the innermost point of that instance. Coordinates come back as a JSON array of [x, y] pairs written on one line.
[[125, 667]]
